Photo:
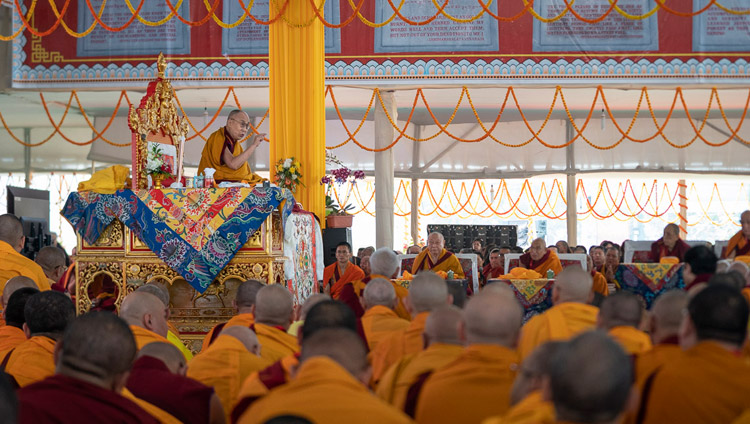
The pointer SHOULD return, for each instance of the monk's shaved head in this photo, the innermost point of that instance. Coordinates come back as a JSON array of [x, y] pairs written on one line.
[[14, 284], [573, 284], [379, 291], [719, 312], [274, 305], [493, 318], [245, 335], [145, 310], [13, 311], [167, 353], [50, 258], [667, 310], [499, 288], [534, 368], [311, 301], [384, 262], [247, 291], [343, 346], [11, 229], [620, 309], [427, 291], [590, 380], [48, 312], [99, 345], [328, 314], [442, 325], [157, 291]]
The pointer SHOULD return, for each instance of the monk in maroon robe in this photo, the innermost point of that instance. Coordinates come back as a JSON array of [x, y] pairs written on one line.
[[93, 360], [669, 245], [158, 377]]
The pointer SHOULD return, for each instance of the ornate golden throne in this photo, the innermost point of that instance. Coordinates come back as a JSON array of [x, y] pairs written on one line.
[[119, 262]]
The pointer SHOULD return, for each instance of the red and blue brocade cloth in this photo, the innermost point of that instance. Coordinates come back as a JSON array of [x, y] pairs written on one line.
[[196, 232]]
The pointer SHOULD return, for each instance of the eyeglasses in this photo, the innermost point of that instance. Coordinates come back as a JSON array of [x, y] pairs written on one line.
[[244, 125]]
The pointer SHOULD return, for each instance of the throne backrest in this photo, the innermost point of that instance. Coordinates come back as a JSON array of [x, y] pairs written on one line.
[[155, 122]]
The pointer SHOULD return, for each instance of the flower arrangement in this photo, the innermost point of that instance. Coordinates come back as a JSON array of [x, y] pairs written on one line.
[[339, 176], [155, 163], [288, 174]]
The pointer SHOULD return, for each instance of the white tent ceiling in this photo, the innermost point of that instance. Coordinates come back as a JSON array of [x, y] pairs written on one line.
[[441, 156]]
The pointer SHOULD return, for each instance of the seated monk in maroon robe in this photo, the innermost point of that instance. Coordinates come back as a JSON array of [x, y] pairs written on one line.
[[541, 259], [93, 360], [495, 266], [158, 377], [739, 244], [669, 245]]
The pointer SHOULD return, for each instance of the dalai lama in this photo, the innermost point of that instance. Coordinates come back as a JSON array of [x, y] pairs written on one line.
[[436, 258], [540, 258], [739, 244], [224, 153]]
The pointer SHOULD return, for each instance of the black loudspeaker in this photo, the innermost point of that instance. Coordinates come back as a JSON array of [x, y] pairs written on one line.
[[459, 237], [331, 238]]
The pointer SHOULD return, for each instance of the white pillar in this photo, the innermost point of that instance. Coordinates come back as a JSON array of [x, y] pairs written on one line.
[[415, 186], [682, 222], [571, 214], [384, 135]]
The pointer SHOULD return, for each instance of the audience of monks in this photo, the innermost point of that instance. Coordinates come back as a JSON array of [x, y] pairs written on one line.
[[381, 353]]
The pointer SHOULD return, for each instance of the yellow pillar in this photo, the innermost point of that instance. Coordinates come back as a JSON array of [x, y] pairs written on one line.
[[296, 54]]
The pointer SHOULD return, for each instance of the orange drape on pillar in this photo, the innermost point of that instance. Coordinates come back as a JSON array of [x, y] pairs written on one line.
[[296, 54]]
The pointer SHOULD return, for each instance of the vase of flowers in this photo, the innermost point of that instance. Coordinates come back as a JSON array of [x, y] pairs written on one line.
[[338, 209], [288, 174], [156, 167]]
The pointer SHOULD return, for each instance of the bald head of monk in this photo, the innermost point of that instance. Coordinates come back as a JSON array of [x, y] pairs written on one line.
[[590, 380], [666, 315], [538, 249], [52, 261], [620, 309], [13, 312], [534, 369], [492, 318], [427, 291], [47, 313], [499, 288], [274, 306], [168, 354], [443, 325], [435, 245], [718, 313], [328, 314], [573, 284], [98, 348], [245, 335], [145, 310], [158, 291], [343, 346], [379, 292], [247, 292], [311, 301], [384, 262], [11, 231], [14, 284]]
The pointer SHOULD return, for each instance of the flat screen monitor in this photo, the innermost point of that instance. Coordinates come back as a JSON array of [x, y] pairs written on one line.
[[30, 203]]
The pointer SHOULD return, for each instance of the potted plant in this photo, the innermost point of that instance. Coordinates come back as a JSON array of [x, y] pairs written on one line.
[[338, 216]]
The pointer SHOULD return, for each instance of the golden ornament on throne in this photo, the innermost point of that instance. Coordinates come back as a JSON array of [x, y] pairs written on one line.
[[158, 132]]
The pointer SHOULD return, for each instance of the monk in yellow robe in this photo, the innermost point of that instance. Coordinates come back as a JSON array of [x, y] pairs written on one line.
[[709, 382], [12, 262], [144, 312], [223, 151], [435, 258], [12, 334], [242, 304], [273, 312], [227, 363], [620, 316], [528, 405], [739, 244], [380, 320], [383, 264], [541, 259], [569, 315], [599, 281], [426, 292], [173, 334], [477, 385], [47, 314], [445, 344], [591, 381], [665, 317], [328, 386], [341, 272]]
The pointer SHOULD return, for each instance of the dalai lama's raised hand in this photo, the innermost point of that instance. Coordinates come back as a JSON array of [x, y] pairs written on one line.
[[254, 141]]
